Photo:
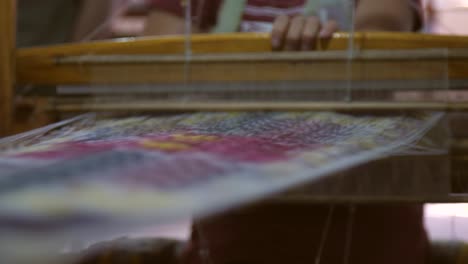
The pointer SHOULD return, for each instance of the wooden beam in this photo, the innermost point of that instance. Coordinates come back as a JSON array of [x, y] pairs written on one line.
[[312, 66], [7, 62], [240, 42], [49, 65], [183, 106]]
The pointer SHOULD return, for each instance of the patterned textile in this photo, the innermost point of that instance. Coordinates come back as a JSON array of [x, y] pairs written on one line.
[[100, 174]]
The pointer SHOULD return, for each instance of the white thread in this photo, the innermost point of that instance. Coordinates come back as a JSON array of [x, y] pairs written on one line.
[[349, 65], [204, 252], [349, 234], [188, 39], [323, 238]]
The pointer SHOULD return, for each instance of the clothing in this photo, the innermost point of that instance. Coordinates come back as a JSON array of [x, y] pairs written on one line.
[[46, 21], [292, 233], [258, 15]]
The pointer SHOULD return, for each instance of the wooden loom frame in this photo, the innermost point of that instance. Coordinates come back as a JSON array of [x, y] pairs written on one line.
[[237, 54]]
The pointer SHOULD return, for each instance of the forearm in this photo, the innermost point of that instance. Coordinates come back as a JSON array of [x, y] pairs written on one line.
[[385, 15], [383, 22], [165, 23], [93, 14]]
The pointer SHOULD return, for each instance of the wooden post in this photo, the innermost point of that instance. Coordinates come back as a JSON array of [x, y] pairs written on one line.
[[7, 63]]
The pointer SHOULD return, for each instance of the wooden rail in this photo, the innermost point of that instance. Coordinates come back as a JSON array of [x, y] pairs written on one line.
[[165, 106], [112, 61], [7, 62]]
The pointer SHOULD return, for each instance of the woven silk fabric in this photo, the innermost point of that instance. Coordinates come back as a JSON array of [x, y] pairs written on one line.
[[85, 177], [161, 167]]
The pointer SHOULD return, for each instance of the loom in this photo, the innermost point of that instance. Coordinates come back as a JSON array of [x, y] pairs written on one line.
[[239, 72]]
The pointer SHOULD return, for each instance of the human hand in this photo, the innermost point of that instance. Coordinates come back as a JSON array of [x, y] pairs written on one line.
[[300, 32]]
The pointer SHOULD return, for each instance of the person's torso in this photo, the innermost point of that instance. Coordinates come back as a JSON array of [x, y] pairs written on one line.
[[259, 15]]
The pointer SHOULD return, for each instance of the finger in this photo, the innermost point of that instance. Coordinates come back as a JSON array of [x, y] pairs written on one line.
[[328, 29], [280, 28], [294, 35], [310, 33]]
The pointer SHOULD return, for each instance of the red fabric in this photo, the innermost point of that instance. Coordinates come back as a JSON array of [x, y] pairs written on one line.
[[291, 233], [205, 11]]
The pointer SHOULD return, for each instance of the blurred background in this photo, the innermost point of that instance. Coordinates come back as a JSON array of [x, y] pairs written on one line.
[[127, 18]]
